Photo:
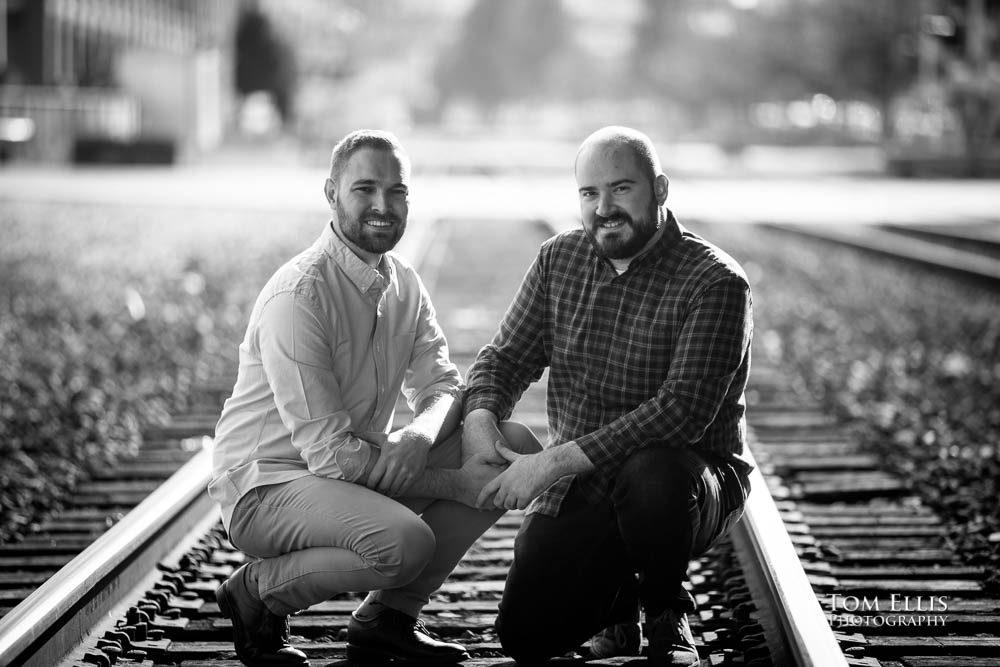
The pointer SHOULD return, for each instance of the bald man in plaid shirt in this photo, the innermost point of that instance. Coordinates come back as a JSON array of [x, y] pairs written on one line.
[[645, 328]]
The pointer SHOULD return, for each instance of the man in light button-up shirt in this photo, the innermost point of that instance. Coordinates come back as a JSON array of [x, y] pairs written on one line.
[[310, 480]]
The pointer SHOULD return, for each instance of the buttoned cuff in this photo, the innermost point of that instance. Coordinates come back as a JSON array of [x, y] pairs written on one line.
[[598, 454], [355, 459]]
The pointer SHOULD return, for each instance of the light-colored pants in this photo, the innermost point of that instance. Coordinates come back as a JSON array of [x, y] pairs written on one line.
[[317, 537]]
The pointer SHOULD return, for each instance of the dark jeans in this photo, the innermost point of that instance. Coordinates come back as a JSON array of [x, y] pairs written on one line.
[[575, 574]]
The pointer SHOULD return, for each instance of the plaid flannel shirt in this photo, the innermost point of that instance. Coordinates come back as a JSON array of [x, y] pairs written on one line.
[[658, 355]]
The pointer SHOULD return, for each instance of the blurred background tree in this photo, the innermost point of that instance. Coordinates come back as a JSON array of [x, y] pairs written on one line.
[[716, 59], [968, 50], [920, 78], [872, 48], [505, 51], [264, 61]]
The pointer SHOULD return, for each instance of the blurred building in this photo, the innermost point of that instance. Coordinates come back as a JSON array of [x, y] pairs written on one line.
[[948, 121], [149, 78]]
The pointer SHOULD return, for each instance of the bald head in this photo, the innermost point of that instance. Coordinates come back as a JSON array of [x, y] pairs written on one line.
[[608, 139], [621, 188]]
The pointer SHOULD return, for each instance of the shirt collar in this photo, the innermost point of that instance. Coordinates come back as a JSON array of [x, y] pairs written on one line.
[[365, 277], [666, 247]]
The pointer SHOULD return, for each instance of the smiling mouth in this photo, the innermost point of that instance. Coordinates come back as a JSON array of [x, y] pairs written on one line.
[[379, 224], [613, 223]]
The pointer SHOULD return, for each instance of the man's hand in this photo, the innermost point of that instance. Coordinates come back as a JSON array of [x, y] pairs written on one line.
[[530, 474], [523, 481], [402, 460], [474, 474]]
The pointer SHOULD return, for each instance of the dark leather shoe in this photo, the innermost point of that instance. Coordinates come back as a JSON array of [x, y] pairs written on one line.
[[392, 635], [260, 637], [671, 643]]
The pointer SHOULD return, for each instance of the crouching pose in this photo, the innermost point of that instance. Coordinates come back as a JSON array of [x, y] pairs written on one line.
[[312, 484], [645, 329]]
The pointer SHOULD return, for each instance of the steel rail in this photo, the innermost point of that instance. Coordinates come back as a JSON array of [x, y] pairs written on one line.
[[795, 626], [944, 234], [897, 246], [61, 612]]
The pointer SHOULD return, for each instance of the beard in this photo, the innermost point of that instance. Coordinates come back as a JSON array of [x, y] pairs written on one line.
[[371, 239], [627, 239]]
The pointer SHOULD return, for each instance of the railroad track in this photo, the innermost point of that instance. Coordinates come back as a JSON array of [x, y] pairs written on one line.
[[93, 507], [160, 610], [971, 250], [827, 537]]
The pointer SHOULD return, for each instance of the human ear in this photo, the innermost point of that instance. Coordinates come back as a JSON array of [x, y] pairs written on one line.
[[330, 191], [660, 187]]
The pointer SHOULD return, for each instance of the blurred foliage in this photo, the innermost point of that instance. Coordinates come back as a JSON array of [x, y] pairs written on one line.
[[264, 60], [708, 55], [108, 316], [706, 64], [505, 51], [912, 357], [873, 49]]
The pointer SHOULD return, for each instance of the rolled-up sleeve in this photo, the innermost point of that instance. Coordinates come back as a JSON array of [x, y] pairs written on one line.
[[295, 353], [430, 370]]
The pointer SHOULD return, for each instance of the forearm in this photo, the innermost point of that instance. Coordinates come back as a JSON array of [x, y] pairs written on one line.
[[440, 484], [481, 431], [436, 418]]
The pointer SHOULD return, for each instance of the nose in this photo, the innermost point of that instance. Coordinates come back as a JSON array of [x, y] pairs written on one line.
[[604, 205], [379, 201]]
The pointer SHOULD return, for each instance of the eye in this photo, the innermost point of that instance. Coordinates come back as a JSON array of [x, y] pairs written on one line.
[[367, 189], [587, 194], [621, 189]]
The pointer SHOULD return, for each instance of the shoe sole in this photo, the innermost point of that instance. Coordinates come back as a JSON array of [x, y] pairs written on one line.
[[363, 655]]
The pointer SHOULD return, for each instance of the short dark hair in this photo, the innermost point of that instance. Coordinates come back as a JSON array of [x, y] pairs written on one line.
[[641, 145], [358, 139]]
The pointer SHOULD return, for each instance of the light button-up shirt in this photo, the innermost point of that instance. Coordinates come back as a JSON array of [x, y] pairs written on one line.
[[330, 342]]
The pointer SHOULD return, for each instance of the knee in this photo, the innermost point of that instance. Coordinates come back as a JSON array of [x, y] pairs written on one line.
[[520, 438], [409, 546], [658, 477]]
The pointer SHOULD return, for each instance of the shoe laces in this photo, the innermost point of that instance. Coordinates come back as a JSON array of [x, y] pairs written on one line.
[[672, 627], [419, 626], [275, 628]]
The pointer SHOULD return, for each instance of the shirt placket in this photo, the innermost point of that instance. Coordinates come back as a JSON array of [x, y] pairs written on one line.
[[380, 357]]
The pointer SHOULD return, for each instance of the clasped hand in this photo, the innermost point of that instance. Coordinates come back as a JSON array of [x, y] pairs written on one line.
[[402, 460], [526, 476]]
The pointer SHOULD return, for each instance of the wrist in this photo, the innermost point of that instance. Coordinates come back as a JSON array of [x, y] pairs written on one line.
[[481, 417], [568, 459]]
